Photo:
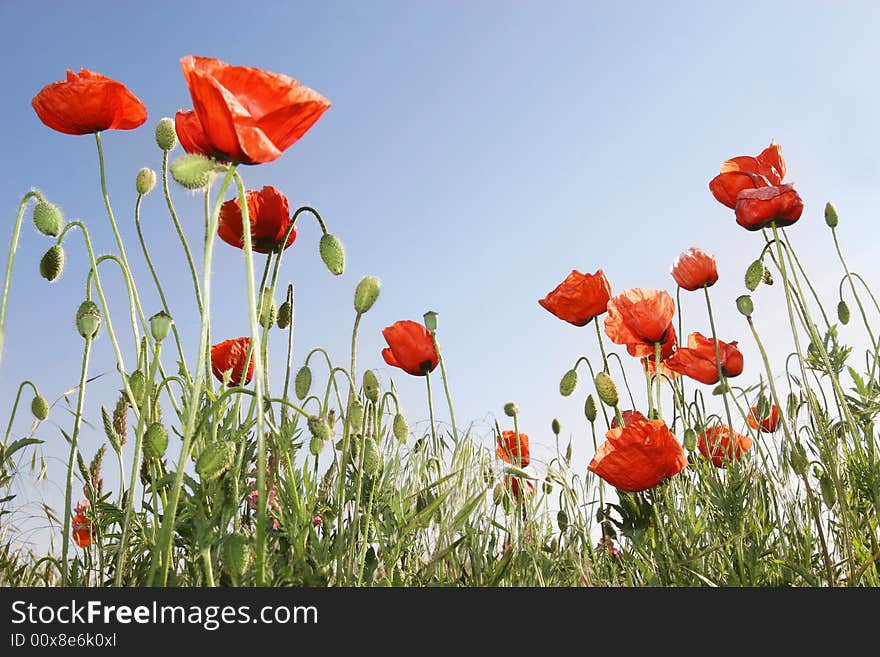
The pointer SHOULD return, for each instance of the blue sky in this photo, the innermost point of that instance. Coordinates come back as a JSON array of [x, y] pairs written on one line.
[[474, 154]]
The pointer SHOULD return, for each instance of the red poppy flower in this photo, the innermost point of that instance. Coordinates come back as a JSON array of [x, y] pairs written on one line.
[[667, 347], [231, 355], [579, 298], [638, 456], [694, 268], [269, 214], [83, 530], [512, 484], [88, 102], [628, 416], [508, 450], [243, 114], [410, 347], [766, 424], [715, 444], [747, 172], [757, 208], [697, 360], [640, 318]]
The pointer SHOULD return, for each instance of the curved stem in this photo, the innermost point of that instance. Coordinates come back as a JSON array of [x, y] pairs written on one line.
[[180, 234], [15, 408]]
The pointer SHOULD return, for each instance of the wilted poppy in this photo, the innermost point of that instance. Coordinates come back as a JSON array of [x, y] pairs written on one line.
[[747, 172], [697, 360], [508, 450], [694, 268], [757, 208], [513, 485], [83, 530], [766, 424], [715, 444], [269, 214], [640, 318], [410, 347], [88, 102], [579, 298], [229, 356], [638, 456], [243, 114]]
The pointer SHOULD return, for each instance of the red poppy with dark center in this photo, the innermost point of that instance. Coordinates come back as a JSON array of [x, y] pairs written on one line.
[[243, 114], [509, 451], [410, 347], [697, 360], [640, 318], [639, 456], [767, 424], [269, 214], [513, 484], [579, 298], [757, 208], [230, 356], [88, 102], [694, 269], [715, 444], [83, 530]]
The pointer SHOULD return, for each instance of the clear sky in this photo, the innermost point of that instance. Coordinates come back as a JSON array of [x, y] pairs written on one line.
[[475, 153]]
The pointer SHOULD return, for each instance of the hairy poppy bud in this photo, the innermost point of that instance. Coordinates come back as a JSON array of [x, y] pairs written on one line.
[[52, 263], [166, 134], [555, 426], [302, 382], [145, 181], [48, 219], [829, 493], [137, 382], [511, 409], [192, 171], [88, 319], [606, 389], [568, 383], [744, 305], [215, 460], [831, 215], [754, 275], [237, 555], [320, 428], [285, 314], [160, 325], [690, 440], [366, 293], [400, 427], [155, 441], [356, 414], [372, 459], [371, 386], [268, 310], [562, 520], [430, 318], [843, 312], [332, 253], [590, 408], [315, 445], [40, 407], [498, 494], [798, 459]]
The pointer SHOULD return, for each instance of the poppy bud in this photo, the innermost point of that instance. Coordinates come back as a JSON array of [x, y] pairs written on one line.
[[562, 520], [568, 383], [744, 305], [498, 494], [137, 382], [430, 318], [155, 441], [830, 215], [400, 427], [690, 440], [320, 428], [302, 382], [192, 171], [511, 409], [332, 253], [754, 275], [372, 460], [315, 445], [160, 325], [829, 494], [590, 408], [48, 219], [285, 314], [792, 404], [268, 312], [88, 319], [554, 425], [40, 407], [356, 414], [52, 263], [145, 181], [371, 386], [798, 459], [547, 487], [166, 134], [237, 555], [606, 389], [843, 312], [215, 460], [366, 293]]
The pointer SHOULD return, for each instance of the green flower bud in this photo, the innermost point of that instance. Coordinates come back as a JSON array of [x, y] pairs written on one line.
[[166, 134], [371, 386], [155, 441], [302, 382], [690, 439], [160, 325], [192, 171], [315, 445], [237, 555], [285, 314], [269, 312], [568, 383], [40, 407], [430, 318], [215, 460], [366, 293], [48, 219], [606, 389], [332, 253], [754, 275], [372, 459], [88, 320], [829, 493], [356, 415], [843, 312], [320, 428], [145, 181], [831, 215], [400, 428], [511, 409], [562, 520], [547, 487], [52, 263], [590, 408], [498, 494], [137, 382], [744, 305], [555, 426], [798, 459]]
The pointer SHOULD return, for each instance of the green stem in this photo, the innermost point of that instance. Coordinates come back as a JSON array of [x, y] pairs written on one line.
[[445, 387], [722, 377], [14, 409], [180, 234]]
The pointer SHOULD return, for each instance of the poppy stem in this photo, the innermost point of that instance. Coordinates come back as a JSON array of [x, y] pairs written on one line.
[[721, 376], [284, 395], [445, 386], [431, 413], [180, 234], [14, 409], [658, 379], [601, 344]]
